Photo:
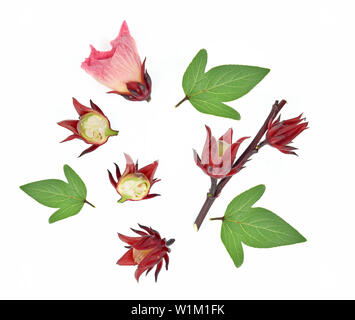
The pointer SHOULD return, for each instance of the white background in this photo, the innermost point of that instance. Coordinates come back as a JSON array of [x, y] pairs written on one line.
[[309, 47]]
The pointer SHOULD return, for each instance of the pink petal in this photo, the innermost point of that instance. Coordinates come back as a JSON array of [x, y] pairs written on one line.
[[118, 66]]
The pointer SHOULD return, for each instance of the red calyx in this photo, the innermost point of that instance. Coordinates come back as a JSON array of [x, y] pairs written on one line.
[[280, 134], [218, 155], [147, 251]]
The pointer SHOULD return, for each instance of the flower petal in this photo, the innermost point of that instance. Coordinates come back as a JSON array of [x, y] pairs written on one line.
[[118, 66]]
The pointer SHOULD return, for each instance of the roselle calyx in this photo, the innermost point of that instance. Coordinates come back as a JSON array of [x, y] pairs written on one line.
[[134, 184], [93, 126], [218, 156], [280, 133], [146, 251], [120, 68]]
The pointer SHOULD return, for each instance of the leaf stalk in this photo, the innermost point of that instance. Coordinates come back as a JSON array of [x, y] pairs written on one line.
[[183, 100], [90, 204]]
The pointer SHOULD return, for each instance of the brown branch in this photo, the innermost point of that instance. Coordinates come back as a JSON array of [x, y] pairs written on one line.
[[239, 163]]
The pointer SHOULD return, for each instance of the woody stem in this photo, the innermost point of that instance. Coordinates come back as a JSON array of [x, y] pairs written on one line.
[[207, 205], [253, 147]]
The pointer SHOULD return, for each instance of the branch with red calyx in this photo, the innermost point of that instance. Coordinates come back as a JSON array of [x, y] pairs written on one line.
[[254, 146]]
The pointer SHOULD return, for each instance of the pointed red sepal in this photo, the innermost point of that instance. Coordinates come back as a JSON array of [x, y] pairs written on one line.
[[129, 240], [150, 230], [149, 170], [80, 109], [72, 125], [90, 149], [127, 259], [227, 137], [148, 262], [154, 181], [112, 180], [73, 136], [130, 167], [118, 172], [96, 108], [141, 233], [160, 264], [166, 258], [151, 195]]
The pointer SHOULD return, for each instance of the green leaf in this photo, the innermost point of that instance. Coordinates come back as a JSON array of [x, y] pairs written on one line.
[[261, 228], [255, 227], [211, 107], [207, 91], [69, 210], [68, 197], [51, 193], [75, 182], [195, 71], [245, 200], [232, 243]]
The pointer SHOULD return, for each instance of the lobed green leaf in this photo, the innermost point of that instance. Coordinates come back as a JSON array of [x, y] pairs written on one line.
[[255, 227], [68, 197], [195, 71], [207, 91], [77, 185], [51, 193]]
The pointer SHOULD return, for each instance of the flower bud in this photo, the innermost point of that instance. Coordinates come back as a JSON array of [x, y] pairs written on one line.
[[146, 251], [280, 134], [218, 156]]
